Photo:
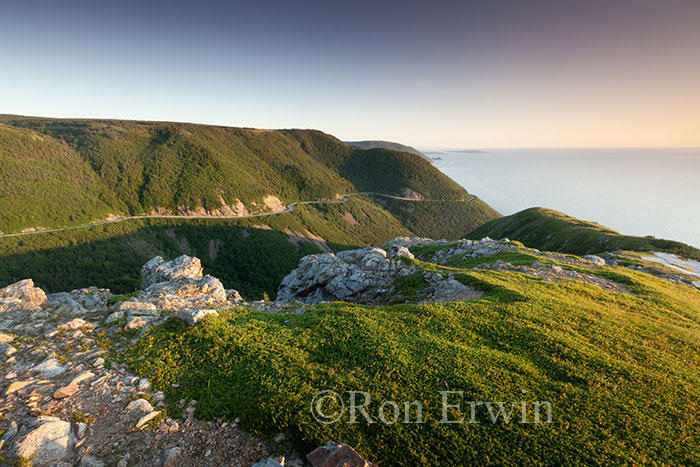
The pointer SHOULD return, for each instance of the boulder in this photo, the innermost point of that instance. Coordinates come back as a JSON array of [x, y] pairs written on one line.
[[91, 297], [158, 270], [50, 441], [400, 252], [25, 292]]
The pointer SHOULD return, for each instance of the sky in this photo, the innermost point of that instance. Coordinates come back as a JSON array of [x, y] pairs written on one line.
[[460, 74]]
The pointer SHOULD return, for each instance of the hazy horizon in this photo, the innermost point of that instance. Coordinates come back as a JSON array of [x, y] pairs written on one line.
[[460, 74]]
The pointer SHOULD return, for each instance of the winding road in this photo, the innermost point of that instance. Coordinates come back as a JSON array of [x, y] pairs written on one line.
[[290, 207]]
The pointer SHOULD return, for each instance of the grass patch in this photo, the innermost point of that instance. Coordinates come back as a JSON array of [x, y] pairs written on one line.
[[619, 370]]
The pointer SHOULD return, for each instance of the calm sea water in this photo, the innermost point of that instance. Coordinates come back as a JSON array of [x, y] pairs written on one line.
[[634, 191]]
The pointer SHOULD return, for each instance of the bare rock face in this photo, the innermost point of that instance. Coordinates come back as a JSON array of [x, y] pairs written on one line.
[[158, 270], [22, 294], [336, 455]]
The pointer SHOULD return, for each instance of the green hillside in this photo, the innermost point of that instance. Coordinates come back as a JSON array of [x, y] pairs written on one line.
[[546, 229], [619, 370], [58, 173], [82, 170]]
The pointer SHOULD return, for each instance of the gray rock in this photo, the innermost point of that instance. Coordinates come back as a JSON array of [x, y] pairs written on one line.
[[62, 299], [186, 293], [192, 317], [336, 455], [269, 462], [114, 317], [10, 433], [360, 276], [50, 367]]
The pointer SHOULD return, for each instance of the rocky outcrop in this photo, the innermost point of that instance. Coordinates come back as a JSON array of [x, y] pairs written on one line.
[[361, 276], [178, 288], [448, 289], [21, 295], [66, 402], [158, 270]]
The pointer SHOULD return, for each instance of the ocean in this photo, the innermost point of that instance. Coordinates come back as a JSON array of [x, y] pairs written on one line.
[[634, 191]]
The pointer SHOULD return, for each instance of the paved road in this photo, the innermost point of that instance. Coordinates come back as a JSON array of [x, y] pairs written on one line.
[[290, 207]]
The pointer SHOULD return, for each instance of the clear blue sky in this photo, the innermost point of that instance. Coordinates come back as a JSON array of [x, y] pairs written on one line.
[[452, 74]]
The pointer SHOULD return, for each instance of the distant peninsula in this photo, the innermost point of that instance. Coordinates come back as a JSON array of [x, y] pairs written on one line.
[[387, 145]]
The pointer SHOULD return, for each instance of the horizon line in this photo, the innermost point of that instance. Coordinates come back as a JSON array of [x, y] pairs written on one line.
[[421, 148]]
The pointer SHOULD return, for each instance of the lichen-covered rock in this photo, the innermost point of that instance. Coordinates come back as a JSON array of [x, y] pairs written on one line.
[[158, 270]]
